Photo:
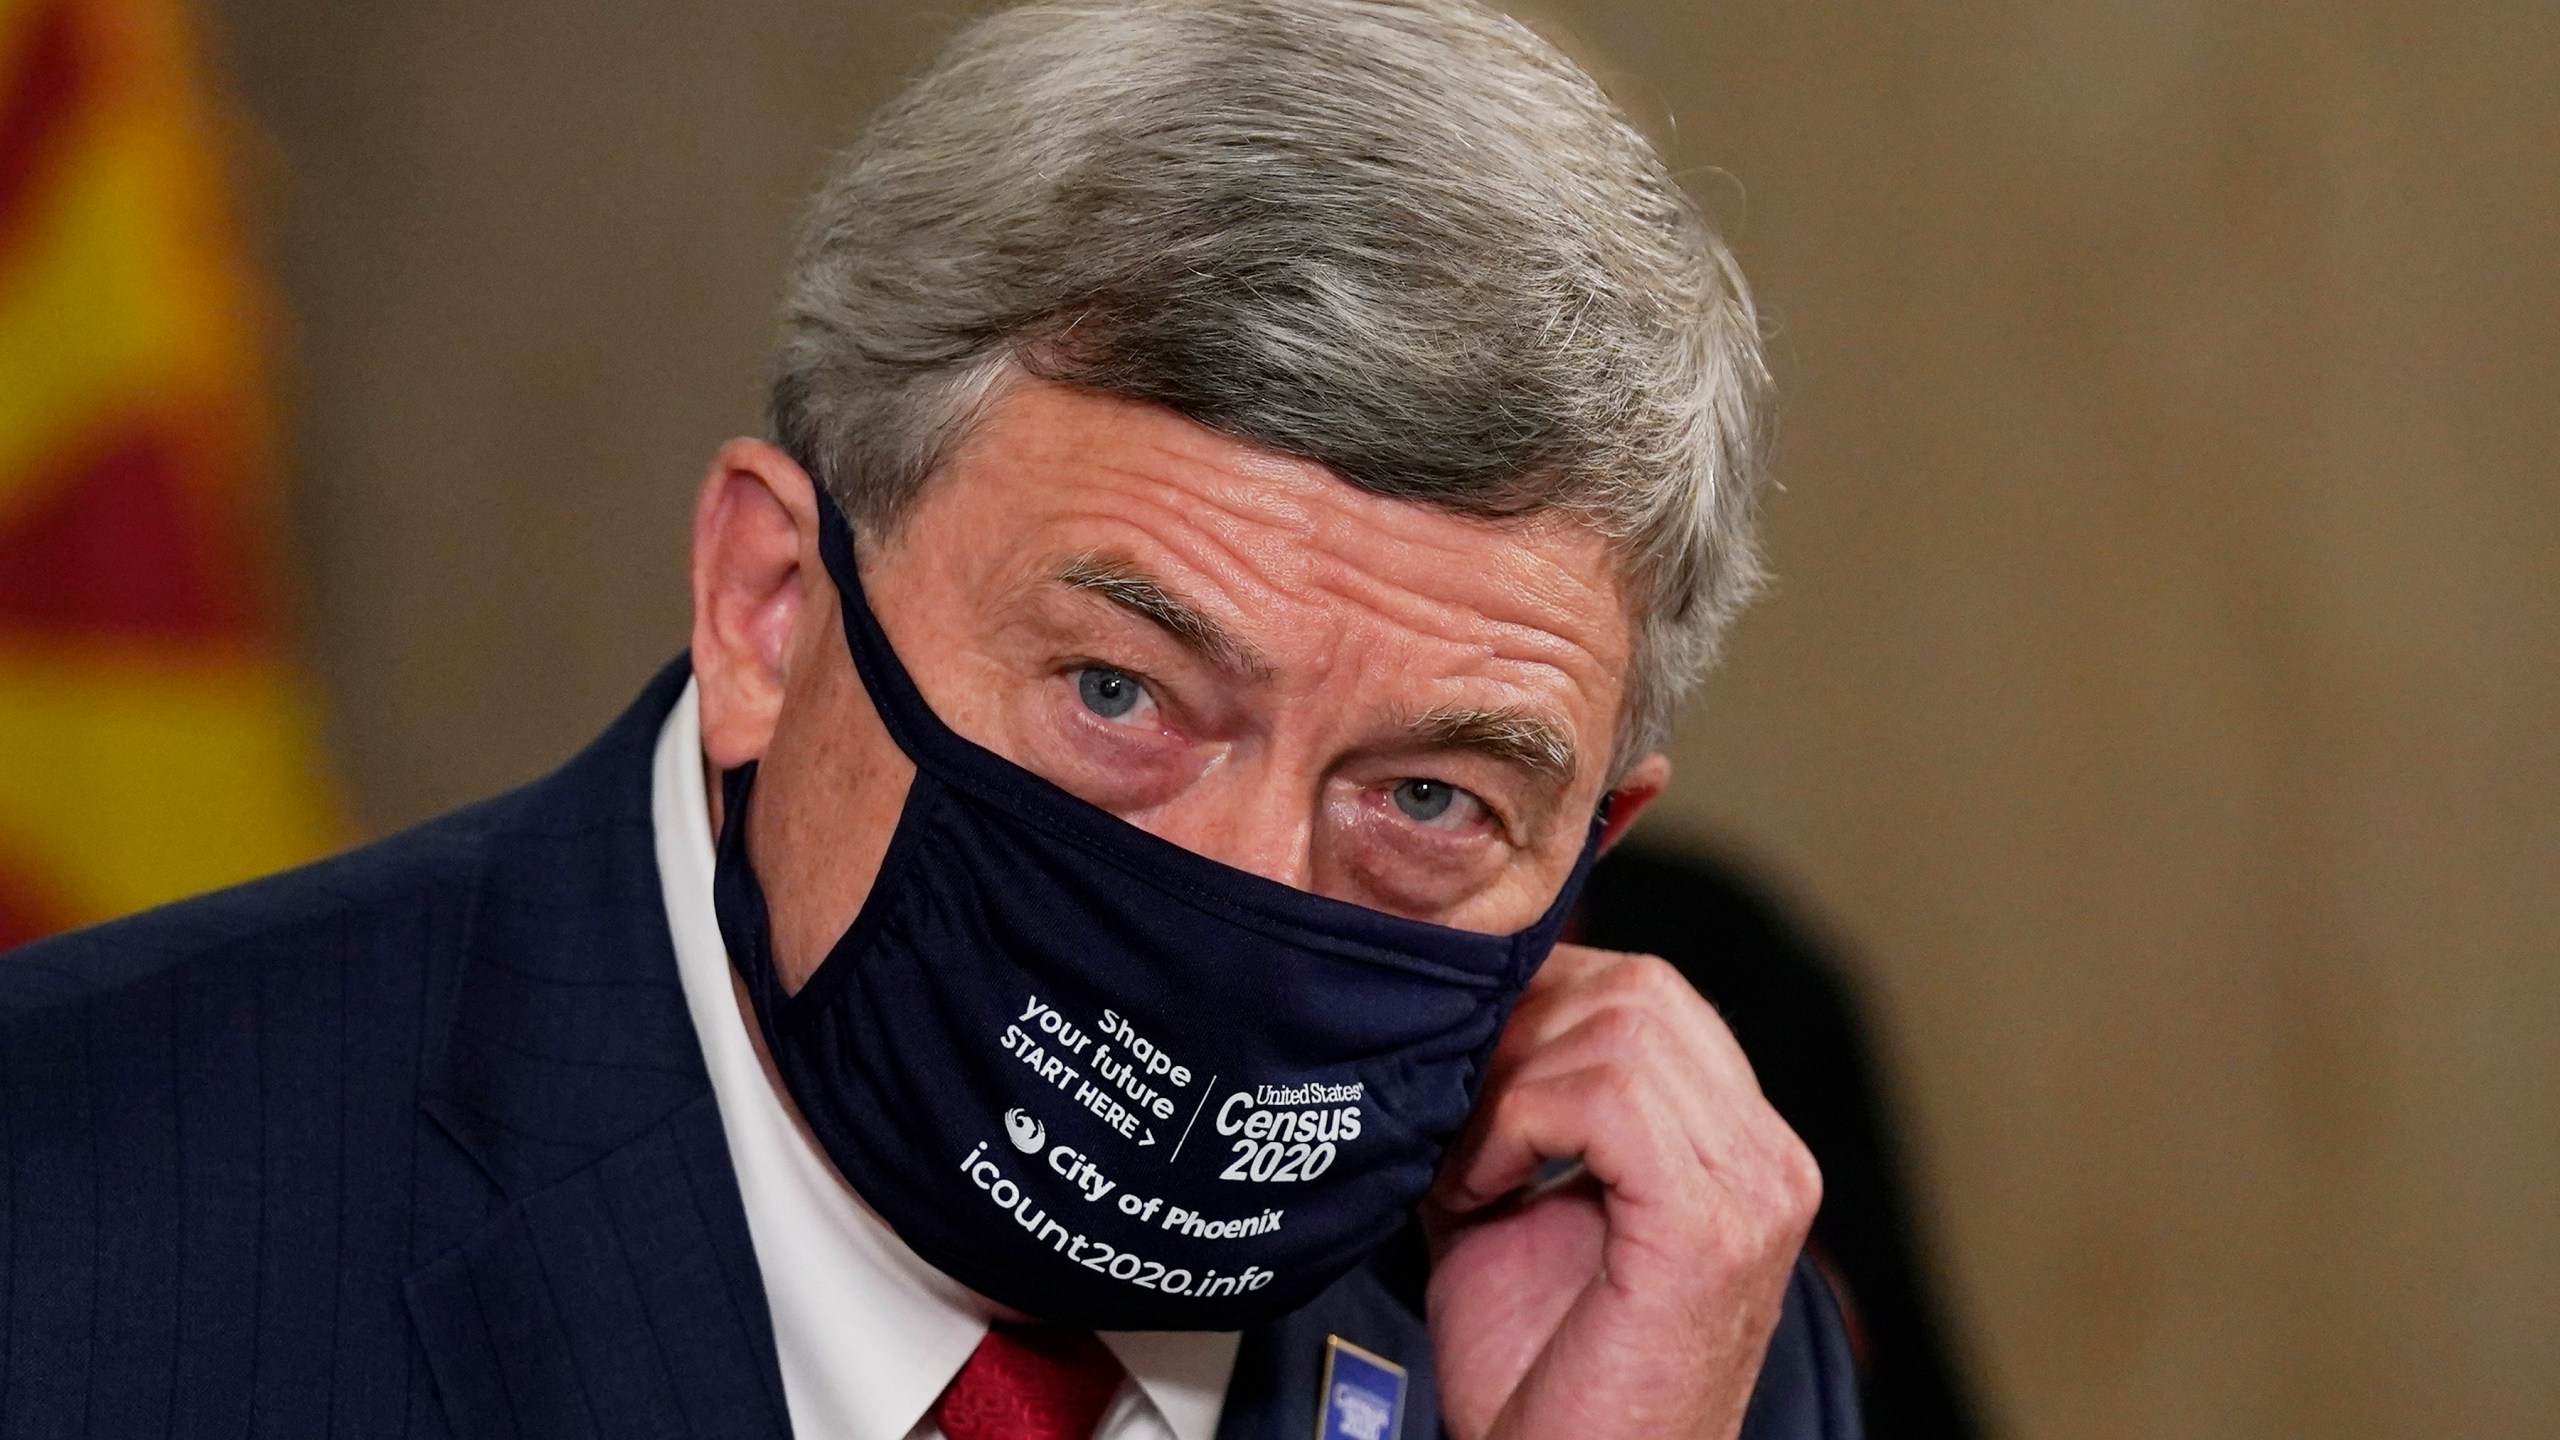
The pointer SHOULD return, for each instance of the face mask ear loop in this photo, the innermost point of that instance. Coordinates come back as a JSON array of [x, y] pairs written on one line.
[[901, 706], [745, 925]]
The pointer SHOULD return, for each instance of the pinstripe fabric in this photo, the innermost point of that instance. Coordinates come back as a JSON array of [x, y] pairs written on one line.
[[415, 1142], [418, 1143], [218, 1171]]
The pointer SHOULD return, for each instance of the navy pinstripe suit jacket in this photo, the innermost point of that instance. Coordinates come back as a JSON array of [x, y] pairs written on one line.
[[418, 1142]]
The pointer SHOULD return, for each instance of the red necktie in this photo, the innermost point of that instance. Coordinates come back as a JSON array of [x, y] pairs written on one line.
[[1030, 1382]]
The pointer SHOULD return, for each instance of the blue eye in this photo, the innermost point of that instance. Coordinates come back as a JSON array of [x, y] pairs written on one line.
[[1426, 800], [1107, 692]]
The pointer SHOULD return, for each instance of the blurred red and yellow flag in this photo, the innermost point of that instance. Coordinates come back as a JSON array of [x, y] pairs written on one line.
[[155, 740]]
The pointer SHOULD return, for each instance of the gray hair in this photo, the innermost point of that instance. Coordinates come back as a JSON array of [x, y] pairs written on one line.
[[1406, 239]]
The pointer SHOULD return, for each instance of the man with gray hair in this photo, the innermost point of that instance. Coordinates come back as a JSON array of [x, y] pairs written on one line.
[[1074, 948]]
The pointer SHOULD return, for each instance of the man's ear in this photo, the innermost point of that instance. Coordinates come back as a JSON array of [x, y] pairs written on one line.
[[1634, 791], [755, 552]]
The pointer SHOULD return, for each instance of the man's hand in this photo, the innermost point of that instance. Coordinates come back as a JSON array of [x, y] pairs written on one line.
[[1639, 1300]]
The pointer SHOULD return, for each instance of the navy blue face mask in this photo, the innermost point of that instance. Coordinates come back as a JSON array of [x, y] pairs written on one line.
[[1098, 1078]]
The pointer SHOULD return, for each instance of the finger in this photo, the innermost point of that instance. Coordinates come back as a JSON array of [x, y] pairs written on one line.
[[1651, 1013], [1587, 981], [1709, 1132], [1599, 1114], [1675, 1093]]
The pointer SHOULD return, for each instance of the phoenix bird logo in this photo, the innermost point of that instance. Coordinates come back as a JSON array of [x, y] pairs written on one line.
[[1027, 1133]]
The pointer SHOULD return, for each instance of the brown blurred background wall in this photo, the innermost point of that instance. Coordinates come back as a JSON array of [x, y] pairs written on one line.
[[2160, 696]]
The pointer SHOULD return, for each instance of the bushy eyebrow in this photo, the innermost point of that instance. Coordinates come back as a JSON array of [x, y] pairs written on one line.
[[1141, 594], [1512, 737]]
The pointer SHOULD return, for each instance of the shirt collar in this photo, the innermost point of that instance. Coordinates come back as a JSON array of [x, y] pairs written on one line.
[[1183, 1372]]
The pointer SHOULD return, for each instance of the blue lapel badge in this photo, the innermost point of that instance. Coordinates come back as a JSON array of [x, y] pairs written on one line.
[[1363, 1395]]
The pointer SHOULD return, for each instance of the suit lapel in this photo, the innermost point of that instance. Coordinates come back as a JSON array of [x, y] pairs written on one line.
[[613, 1291], [619, 1301], [1276, 1392]]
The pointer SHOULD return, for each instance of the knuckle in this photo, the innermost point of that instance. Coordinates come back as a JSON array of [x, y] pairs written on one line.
[[1657, 975], [1637, 977], [1809, 1185], [1657, 985], [1516, 1108], [1799, 1178], [1618, 1087], [1621, 1030]]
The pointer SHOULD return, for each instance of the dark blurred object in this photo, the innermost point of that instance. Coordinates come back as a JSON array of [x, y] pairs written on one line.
[[1790, 1007]]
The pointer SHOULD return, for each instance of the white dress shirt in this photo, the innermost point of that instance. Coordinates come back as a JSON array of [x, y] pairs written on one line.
[[869, 1334]]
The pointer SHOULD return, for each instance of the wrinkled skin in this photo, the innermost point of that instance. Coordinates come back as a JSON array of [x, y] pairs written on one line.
[[1289, 716]]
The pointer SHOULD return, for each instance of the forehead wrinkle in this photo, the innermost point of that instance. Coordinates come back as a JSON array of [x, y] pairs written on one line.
[[1124, 583], [1372, 598], [1527, 643], [1252, 538], [1217, 555]]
